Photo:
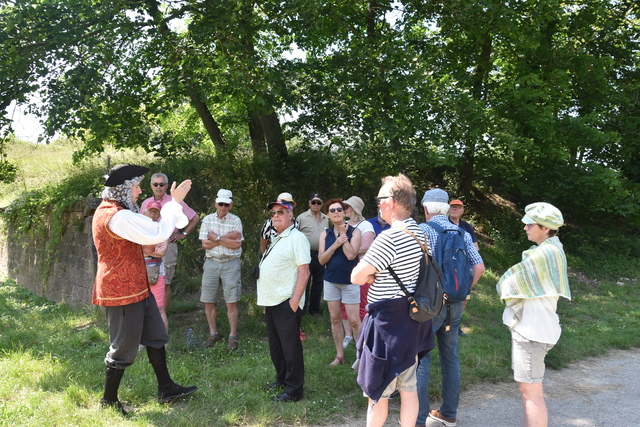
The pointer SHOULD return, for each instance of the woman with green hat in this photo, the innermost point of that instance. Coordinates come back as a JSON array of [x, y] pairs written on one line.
[[530, 290]]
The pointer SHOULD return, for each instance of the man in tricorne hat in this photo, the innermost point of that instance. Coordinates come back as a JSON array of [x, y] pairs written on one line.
[[284, 271], [221, 237], [312, 223], [121, 283]]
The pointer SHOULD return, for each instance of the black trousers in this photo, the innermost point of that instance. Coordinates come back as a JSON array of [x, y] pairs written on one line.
[[283, 330], [315, 285]]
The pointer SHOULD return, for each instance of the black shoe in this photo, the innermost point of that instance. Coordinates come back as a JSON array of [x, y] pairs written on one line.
[[276, 385], [286, 397], [461, 333], [124, 410], [170, 392]]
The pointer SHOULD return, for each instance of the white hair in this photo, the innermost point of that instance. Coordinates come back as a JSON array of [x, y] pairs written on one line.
[[437, 208]]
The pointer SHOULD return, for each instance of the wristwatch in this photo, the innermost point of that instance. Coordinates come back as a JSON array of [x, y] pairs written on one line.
[[218, 239], [184, 232]]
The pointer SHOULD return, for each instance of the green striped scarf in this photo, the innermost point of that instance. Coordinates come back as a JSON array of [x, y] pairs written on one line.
[[542, 272]]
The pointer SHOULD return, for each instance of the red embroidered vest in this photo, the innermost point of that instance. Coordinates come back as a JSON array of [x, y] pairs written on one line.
[[121, 278]]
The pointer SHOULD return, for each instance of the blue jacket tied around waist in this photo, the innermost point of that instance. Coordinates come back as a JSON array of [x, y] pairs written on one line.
[[388, 343]]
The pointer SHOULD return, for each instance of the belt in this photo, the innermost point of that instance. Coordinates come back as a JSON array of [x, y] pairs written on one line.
[[221, 260]]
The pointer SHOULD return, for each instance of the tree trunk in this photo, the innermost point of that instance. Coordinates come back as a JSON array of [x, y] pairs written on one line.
[[479, 79], [274, 136], [211, 126], [209, 122], [257, 135]]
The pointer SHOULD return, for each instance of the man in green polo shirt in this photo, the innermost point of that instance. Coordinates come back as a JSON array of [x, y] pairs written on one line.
[[284, 271]]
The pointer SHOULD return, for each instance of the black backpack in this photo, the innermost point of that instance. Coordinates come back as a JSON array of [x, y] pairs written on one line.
[[427, 300]]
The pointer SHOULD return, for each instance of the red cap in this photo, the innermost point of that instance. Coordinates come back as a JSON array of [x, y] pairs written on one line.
[[456, 202], [154, 205]]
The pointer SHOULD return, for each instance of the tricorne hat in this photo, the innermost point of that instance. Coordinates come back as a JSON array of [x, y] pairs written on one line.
[[121, 173]]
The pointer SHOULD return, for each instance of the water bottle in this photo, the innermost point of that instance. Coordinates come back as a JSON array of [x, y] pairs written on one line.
[[192, 342]]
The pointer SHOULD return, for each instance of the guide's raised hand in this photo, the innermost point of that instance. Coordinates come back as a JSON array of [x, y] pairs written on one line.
[[179, 192]]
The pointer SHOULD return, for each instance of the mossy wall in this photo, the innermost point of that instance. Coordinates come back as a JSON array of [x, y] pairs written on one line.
[[67, 274]]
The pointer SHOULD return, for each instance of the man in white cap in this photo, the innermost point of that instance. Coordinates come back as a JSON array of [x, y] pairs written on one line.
[[159, 186], [268, 230], [221, 236], [447, 323], [121, 284]]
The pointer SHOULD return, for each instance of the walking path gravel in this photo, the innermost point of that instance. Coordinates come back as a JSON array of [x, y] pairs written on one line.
[[602, 391]]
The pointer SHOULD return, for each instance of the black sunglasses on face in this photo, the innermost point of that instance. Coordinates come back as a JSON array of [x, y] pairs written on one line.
[[335, 210], [381, 198], [159, 184], [316, 202], [226, 205]]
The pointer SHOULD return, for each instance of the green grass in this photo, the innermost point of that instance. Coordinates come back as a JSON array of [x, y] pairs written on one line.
[[51, 359]]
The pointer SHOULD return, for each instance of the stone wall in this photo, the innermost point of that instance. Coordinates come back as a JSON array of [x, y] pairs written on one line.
[[73, 263]]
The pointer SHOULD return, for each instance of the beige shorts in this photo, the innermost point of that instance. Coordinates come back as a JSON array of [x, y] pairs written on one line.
[[406, 381]]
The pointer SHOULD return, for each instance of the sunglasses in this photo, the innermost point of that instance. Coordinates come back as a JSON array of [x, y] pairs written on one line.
[[529, 226], [226, 205], [335, 210], [381, 198], [316, 202], [159, 184], [280, 212]]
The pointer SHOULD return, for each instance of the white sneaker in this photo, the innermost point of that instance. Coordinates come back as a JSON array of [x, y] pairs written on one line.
[[356, 365], [347, 340]]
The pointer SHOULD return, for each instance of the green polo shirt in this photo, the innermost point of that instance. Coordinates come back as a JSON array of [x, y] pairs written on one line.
[[279, 269]]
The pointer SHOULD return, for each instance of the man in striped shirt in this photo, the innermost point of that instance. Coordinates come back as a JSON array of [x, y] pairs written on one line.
[[388, 334]]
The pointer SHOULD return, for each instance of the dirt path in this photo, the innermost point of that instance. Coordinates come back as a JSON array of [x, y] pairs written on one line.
[[603, 391]]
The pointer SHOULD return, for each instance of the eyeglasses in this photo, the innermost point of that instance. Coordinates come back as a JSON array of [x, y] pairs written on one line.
[[335, 210], [159, 184], [316, 202], [529, 226], [226, 205], [455, 208], [280, 212], [381, 198]]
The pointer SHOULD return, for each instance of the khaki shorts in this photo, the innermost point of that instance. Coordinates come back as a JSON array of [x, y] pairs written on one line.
[[226, 274], [527, 359], [404, 382]]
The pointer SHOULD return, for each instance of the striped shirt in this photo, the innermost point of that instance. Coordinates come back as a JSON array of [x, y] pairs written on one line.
[[221, 226], [268, 231], [396, 248]]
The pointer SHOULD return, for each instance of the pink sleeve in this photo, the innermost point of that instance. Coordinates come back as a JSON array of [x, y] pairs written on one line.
[[190, 213]]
